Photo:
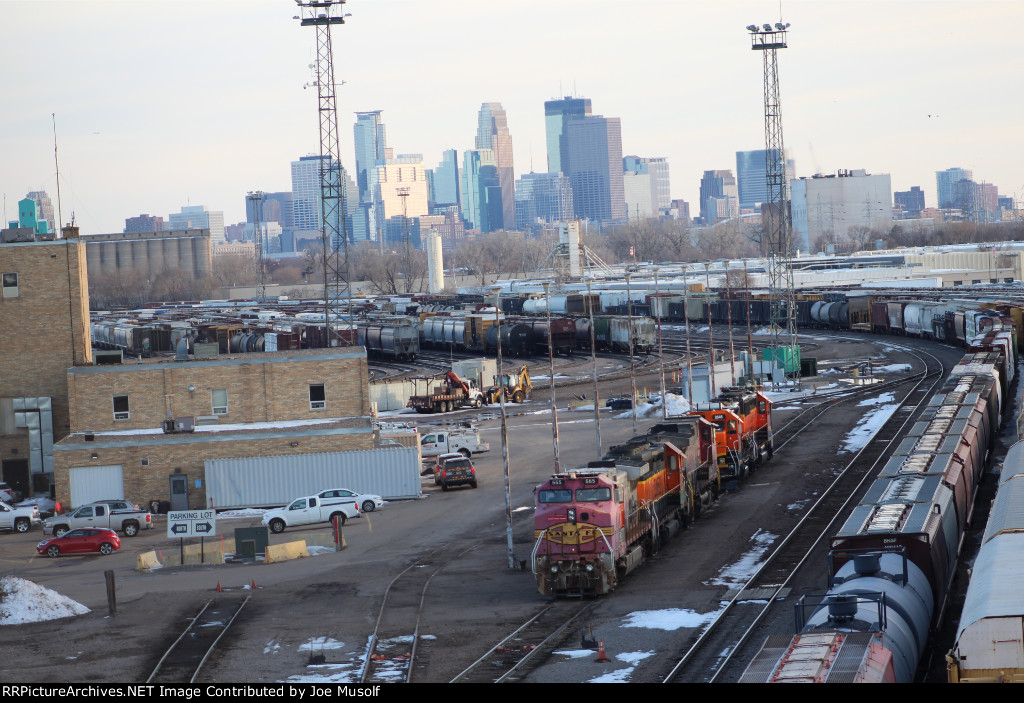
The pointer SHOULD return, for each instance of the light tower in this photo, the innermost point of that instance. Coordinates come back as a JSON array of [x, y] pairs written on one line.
[[255, 199], [323, 14], [768, 40]]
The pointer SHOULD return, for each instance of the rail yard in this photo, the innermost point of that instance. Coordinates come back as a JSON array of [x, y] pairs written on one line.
[[315, 616]]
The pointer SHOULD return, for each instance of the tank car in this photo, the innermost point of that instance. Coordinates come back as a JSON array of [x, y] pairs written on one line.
[[596, 524]]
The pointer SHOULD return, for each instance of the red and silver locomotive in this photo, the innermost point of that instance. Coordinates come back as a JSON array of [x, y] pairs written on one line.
[[596, 524]]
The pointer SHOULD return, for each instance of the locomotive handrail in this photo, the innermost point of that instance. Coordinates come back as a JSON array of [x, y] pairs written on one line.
[[533, 554]]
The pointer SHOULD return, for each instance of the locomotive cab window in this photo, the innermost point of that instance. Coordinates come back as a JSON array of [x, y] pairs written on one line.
[[593, 495], [554, 495]]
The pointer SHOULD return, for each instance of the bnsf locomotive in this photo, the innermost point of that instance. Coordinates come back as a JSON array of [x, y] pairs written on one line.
[[596, 524], [743, 424]]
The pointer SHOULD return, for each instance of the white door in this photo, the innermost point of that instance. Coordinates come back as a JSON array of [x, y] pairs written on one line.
[[92, 483]]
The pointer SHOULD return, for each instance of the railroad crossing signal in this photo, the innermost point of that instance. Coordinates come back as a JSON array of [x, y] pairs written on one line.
[[191, 523]]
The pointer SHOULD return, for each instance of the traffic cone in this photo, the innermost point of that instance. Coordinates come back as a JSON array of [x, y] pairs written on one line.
[[602, 658], [218, 588], [252, 584]]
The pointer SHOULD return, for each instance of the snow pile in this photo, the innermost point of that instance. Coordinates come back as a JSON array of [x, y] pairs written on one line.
[[22, 601]]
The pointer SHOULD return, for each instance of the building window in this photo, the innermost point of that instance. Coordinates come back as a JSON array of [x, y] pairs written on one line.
[[317, 396], [219, 400], [121, 407], [10, 287]]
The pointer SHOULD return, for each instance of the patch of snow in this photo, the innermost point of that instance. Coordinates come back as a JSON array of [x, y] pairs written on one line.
[[318, 644], [740, 572], [668, 619]]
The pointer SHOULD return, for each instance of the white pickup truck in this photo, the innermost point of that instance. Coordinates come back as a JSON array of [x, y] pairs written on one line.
[[322, 507], [465, 442], [118, 515], [19, 519]]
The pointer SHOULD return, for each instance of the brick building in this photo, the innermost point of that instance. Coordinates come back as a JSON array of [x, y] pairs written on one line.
[[44, 329], [269, 404]]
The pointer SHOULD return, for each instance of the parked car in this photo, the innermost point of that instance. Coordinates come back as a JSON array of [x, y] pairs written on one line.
[[127, 519], [434, 468], [311, 510], [456, 472], [19, 519], [8, 494], [622, 402], [368, 502], [81, 541]]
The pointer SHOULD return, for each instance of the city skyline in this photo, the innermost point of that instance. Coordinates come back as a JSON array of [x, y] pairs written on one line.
[[212, 105]]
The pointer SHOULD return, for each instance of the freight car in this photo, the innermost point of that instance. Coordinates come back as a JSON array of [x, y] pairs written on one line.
[[398, 340], [891, 564], [615, 333], [989, 646], [594, 525], [562, 334]]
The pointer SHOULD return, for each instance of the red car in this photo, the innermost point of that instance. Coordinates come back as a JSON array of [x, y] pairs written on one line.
[[81, 541]]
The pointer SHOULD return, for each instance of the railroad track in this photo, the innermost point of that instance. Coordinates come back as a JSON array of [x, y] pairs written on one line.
[[511, 658], [391, 655], [711, 653], [185, 658]]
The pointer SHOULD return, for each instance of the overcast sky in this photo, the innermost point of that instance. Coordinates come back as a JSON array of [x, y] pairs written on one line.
[[161, 104]]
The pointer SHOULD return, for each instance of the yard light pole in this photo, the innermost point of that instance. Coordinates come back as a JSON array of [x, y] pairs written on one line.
[[632, 361], [661, 354], [551, 367], [504, 431], [593, 362]]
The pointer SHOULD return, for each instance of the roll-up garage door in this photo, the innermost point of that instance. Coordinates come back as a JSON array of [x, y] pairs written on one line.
[[91, 483]]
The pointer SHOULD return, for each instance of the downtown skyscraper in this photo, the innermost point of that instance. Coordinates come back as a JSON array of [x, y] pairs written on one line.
[[371, 152], [595, 168], [557, 114], [492, 134]]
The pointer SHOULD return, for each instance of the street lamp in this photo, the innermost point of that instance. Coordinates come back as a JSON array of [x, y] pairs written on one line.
[[504, 430], [593, 361], [632, 361], [661, 355], [551, 367]]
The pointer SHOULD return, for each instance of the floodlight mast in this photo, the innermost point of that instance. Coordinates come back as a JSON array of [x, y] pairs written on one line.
[[768, 40], [323, 14]]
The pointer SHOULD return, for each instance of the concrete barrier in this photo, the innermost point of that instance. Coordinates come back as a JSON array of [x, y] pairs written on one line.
[[286, 551], [212, 555], [319, 539], [147, 560]]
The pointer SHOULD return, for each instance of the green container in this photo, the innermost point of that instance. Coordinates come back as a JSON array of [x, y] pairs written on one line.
[[788, 358]]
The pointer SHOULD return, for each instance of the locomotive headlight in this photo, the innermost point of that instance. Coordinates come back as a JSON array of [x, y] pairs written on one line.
[[590, 567], [554, 569]]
